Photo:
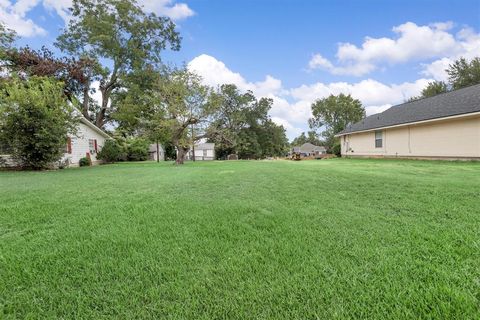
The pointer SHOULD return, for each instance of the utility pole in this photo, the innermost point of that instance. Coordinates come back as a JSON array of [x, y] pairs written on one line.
[[158, 152]]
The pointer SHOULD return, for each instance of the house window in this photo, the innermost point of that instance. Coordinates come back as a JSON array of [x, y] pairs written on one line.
[[378, 139], [92, 145], [68, 148]]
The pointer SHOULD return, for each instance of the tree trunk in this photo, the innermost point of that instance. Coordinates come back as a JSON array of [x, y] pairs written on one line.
[[99, 122], [86, 97], [158, 152], [180, 155], [193, 146]]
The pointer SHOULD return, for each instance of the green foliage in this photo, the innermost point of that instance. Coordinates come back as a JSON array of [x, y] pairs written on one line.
[[241, 125], [463, 73], [121, 33], [337, 149], [35, 120], [136, 108], [311, 137], [434, 88], [111, 151], [7, 37], [183, 102], [85, 162], [333, 239], [170, 152], [137, 149], [333, 114]]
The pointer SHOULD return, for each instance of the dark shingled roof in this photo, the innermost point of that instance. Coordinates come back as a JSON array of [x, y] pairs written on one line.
[[461, 101]]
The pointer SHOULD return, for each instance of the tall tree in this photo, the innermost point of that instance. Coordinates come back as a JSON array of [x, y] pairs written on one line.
[[230, 118], [434, 88], [241, 125], [272, 139], [7, 37], [74, 73], [463, 73], [185, 102], [136, 105], [311, 137], [333, 114], [301, 139], [121, 33]]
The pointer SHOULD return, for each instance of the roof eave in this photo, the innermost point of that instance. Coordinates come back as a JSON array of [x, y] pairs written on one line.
[[95, 128], [463, 115]]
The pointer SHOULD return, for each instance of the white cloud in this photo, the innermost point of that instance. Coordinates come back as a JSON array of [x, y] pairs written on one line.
[[369, 92], [292, 108], [437, 69], [14, 17], [374, 95], [215, 73], [175, 11], [355, 69], [293, 131], [169, 8], [468, 46], [412, 43], [61, 7], [13, 14], [318, 61]]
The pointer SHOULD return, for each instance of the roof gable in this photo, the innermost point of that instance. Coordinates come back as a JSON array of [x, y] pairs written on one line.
[[461, 101]]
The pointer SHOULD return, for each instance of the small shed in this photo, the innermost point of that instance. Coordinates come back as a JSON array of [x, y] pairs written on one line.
[[153, 155]]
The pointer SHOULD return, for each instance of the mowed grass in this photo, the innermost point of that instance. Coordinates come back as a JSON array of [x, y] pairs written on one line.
[[330, 239]]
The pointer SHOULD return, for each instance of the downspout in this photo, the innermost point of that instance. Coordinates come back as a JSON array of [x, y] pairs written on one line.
[[409, 148]]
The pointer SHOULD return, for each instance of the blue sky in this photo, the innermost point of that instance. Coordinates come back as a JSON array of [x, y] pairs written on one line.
[[381, 52]]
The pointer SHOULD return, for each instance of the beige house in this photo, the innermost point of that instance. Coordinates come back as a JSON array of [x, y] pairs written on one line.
[[446, 126], [308, 149]]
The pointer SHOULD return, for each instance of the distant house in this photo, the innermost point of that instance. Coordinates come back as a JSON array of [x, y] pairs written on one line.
[[203, 151], [87, 142], [309, 150], [153, 152], [445, 126]]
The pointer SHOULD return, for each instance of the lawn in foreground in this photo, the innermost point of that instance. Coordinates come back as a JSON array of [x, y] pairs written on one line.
[[311, 239]]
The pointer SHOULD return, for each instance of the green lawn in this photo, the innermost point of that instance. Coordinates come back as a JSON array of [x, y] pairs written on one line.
[[330, 239]]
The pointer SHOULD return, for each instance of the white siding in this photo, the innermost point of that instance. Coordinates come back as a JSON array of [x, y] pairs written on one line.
[[80, 145]]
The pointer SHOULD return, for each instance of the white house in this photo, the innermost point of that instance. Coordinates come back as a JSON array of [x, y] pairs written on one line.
[[153, 152], [87, 142], [203, 151]]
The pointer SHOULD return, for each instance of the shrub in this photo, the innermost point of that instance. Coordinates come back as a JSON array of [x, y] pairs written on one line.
[[137, 149], [85, 162], [337, 149], [35, 120], [111, 152]]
